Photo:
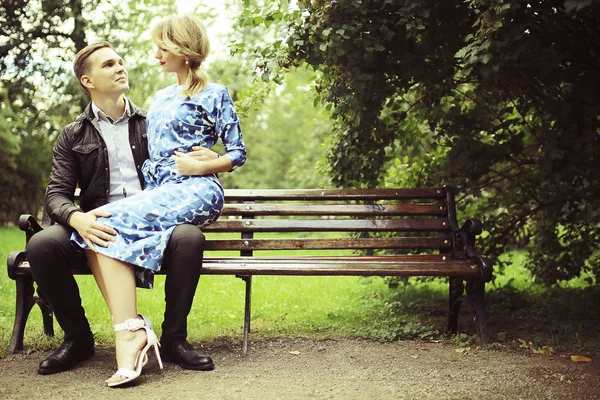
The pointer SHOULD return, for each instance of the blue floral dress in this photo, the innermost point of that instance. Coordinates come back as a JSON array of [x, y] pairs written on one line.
[[145, 222]]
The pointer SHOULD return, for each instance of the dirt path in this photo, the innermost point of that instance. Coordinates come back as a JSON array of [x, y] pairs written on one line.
[[332, 369]]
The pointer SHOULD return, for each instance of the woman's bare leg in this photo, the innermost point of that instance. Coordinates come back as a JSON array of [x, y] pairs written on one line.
[[116, 281], [98, 277]]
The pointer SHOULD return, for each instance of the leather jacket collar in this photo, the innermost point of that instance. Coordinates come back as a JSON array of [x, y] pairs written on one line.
[[88, 113]]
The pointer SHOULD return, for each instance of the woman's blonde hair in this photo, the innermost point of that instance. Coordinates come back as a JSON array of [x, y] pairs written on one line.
[[185, 36]]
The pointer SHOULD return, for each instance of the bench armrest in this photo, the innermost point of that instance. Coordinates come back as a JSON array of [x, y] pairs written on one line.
[[15, 258], [464, 242], [29, 225]]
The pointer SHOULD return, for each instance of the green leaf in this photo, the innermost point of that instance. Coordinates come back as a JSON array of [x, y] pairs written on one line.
[[576, 5], [257, 21], [462, 52]]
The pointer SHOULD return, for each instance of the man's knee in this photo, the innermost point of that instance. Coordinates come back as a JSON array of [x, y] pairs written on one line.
[[48, 244], [185, 250]]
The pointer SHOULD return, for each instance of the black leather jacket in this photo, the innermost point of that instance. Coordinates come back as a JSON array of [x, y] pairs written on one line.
[[81, 159]]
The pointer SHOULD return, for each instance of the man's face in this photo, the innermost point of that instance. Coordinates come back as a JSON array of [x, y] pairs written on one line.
[[107, 74]]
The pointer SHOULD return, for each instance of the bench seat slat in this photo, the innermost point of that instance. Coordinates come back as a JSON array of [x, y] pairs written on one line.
[[332, 194], [453, 268], [398, 264], [327, 225], [399, 258], [334, 209], [325, 244]]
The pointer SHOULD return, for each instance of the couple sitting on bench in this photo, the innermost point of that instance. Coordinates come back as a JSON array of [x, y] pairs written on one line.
[[147, 184]]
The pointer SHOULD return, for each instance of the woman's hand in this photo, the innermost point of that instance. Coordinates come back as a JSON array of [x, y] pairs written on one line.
[[92, 231], [202, 154], [188, 165], [201, 161]]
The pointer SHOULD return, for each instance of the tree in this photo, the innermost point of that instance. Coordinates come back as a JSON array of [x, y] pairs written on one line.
[[282, 128], [39, 40], [282, 135], [498, 98]]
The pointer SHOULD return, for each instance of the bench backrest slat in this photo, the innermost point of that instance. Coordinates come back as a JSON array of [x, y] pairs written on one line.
[[332, 194], [406, 220], [326, 225], [334, 209], [334, 219], [329, 244]]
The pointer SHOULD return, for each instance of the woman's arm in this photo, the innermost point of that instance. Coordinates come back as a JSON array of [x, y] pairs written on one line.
[[203, 161], [230, 132]]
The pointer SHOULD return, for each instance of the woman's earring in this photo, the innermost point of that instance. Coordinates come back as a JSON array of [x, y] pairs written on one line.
[[187, 62]]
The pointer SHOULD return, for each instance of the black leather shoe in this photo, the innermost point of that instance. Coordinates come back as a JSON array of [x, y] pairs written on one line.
[[67, 356], [182, 353]]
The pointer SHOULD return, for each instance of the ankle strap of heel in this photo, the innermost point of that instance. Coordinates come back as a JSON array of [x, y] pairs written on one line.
[[132, 324]]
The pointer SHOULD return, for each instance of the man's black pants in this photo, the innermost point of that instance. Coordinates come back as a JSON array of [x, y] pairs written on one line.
[[51, 256]]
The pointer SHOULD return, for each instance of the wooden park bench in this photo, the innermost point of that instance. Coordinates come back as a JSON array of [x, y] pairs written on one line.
[[390, 232]]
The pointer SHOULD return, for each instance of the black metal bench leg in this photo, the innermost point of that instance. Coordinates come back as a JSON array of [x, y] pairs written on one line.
[[47, 315], [25, 301], [456, 291], [247, 311], [476, 298]]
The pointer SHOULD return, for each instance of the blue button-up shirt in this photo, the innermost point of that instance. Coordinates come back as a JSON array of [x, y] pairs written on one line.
[[124, 179]]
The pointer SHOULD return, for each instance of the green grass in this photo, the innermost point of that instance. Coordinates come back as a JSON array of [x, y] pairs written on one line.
[[10, 239], [564, 317], [281, 306]]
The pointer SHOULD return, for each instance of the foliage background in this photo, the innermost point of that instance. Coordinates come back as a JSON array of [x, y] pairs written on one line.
[[497, 98]]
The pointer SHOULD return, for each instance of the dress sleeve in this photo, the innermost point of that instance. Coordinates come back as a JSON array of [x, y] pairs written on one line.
[[228, 128]]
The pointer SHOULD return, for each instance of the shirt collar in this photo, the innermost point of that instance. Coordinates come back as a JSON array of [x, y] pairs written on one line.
[[99, 115]]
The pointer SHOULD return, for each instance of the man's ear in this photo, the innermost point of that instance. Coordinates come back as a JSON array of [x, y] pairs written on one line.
[[87, 82]]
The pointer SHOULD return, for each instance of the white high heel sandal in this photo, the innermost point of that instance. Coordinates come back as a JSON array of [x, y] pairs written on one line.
[[132, 325]]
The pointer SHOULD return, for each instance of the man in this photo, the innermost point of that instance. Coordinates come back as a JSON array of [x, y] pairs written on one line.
[[102, 152]]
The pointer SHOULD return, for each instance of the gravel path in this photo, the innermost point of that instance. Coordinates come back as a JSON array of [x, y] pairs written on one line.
[[332, 369]]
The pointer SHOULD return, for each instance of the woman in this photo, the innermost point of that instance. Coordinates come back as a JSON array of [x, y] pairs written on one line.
[[179, 189]]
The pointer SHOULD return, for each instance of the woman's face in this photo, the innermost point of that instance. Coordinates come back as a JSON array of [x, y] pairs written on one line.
[[170, 62]]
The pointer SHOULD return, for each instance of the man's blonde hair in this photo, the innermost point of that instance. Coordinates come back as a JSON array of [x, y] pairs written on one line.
[[185, 36], [81, 66]]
